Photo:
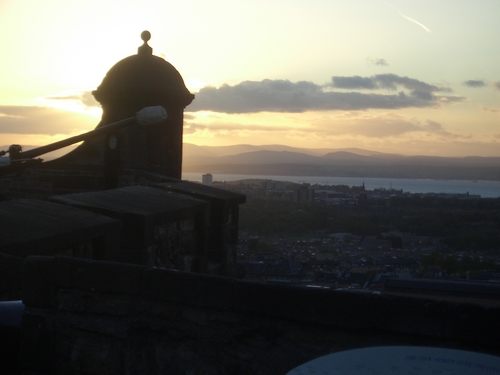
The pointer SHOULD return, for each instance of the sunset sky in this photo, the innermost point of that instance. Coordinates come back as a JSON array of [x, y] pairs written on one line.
[[398, 76]]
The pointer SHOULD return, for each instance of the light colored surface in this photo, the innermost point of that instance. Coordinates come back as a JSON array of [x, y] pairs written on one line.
[[401, 360], [151, 115]]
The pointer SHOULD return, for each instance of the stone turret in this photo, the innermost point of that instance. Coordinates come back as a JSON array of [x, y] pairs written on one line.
[[111, 158], [135, 82]]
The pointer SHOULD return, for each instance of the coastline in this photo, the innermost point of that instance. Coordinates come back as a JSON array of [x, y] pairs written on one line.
[[486, 189]]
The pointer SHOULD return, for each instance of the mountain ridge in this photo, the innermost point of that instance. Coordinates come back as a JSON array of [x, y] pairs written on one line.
[[353, 162], [284, 160], [241, 148]]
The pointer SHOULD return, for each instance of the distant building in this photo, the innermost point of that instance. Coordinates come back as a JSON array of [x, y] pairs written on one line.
[[329, 196], [303, 193], [206, 179]]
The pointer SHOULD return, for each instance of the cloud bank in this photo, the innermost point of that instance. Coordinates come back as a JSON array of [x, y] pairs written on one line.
[[417, 89], [353, 124], [285, 96]]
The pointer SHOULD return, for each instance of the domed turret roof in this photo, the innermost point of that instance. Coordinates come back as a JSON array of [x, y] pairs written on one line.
[[143, 76]]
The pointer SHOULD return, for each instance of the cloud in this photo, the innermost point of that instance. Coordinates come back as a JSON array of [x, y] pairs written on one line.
[[433, 127], [492, 110], [418, 89], [410, 19], [381, 126], [387, 131], [475, 83], [371, 127], [86, 98], [416, 22], [189, 116], [40, 120], [221, 127], [285, 96], [381, 62], [496, 85], [349, 124], [354, 82]]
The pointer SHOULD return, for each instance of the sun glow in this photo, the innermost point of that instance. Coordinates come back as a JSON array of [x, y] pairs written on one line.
[[55, 52]]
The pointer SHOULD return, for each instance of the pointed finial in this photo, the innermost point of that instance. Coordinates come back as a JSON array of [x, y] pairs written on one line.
[[145, 49]]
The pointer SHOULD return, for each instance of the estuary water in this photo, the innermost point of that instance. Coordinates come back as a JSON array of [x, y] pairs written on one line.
[[486, 189]]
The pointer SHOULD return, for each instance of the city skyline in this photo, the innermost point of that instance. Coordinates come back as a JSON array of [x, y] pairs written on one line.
[[413, 78]]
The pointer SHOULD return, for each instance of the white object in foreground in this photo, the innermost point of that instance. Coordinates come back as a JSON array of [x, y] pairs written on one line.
[[151, 115], [399, 360]]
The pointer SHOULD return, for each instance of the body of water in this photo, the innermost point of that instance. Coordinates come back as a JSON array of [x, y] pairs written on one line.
[[486, 189]]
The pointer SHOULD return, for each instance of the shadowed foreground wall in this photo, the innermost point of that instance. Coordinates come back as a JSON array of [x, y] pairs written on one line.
[[92, 317]]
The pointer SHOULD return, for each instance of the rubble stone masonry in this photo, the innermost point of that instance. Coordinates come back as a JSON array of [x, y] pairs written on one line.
[[94, 317]]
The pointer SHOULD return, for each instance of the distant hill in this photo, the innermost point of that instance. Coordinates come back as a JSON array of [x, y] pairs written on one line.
[[293, 161], [243, 148]]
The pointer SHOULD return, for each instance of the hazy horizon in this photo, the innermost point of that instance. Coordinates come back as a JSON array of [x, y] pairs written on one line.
[[319, 150], [240, 148], [397, 77]]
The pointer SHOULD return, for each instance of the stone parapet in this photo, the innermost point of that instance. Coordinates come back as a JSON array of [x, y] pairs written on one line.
[[91, 317], [36, 227], [43, 181], [158, 228]]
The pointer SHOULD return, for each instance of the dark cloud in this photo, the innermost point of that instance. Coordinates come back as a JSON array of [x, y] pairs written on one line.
[[354, 82], [417, 89], [475, 83], [40, 120], [285, 96], [380, 62]]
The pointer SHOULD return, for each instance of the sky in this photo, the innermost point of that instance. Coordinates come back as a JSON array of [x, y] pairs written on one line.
[[399, 76]]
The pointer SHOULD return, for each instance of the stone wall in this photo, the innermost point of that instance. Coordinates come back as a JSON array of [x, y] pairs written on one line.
[[42, 182], [91, 317], [10, 277], [37, 227], [153, 220], [158, 228]]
